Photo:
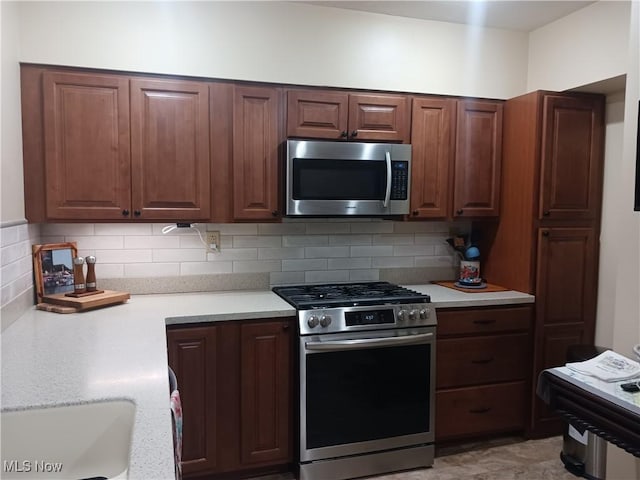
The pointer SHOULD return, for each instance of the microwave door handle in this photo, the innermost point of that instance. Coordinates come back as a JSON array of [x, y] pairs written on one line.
[[387, 195]]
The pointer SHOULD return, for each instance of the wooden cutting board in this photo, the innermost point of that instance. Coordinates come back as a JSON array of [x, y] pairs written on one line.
[[60, 303], [490, 288]]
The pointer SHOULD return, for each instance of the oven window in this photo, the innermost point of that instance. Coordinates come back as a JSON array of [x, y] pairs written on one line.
[[318, 179], [369, 394]]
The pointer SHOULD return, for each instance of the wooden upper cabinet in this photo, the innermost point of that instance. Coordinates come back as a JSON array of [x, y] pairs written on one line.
[[433, 124], [265, 409], [344, 116], [86, 149], [170, 149], [379, 117], [317, 114], [478, 159], [256, 141], [572, 157]]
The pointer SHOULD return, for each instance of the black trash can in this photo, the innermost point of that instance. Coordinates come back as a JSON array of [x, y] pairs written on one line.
[[584, 453]]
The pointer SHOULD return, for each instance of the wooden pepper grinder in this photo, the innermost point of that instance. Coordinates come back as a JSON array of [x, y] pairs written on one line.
[[78, 275], [91, 273]]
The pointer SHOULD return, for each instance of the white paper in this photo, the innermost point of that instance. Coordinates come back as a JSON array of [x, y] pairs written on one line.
[[608, 366], [580, 437]]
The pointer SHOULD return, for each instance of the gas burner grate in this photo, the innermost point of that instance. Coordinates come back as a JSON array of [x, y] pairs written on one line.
[[348, 294]]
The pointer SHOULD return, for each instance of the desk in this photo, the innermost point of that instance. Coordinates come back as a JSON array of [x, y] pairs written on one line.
[[600, 407]]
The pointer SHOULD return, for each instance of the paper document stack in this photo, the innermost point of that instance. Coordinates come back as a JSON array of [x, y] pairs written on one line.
[[608, 366]]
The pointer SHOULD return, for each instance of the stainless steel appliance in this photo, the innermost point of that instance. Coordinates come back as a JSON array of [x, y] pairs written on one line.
[[347, 178], [367, 378]]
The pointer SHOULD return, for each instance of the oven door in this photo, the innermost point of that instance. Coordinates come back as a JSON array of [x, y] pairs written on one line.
[[367, 391]]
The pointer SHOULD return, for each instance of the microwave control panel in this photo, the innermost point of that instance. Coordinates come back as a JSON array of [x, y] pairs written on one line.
[[399, 180]]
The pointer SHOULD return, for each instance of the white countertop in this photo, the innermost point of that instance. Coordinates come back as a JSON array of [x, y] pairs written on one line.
[[120, 352], [444, 297]]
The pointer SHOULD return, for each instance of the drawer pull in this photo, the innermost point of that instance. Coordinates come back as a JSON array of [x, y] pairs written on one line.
[[484, 322], [483, 360], [480, 410]]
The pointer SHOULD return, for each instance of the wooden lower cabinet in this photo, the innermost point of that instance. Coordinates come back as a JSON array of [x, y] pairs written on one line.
[[235, 383], [483, 364], [480, 410]]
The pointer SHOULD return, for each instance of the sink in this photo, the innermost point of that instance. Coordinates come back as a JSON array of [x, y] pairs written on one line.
[[89, 440]]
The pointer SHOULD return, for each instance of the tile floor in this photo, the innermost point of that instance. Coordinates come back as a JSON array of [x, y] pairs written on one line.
[[503, 459]]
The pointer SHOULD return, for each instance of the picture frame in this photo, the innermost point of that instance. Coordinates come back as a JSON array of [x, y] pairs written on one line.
[[53, 268]]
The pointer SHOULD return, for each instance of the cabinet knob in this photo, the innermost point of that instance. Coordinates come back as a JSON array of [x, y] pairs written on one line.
[[125, 213], [415, 213], [137, 213], [285, 326], [354, 133], [343, 134], [546, 213], [545, 233], [459, 212], [274, 213]]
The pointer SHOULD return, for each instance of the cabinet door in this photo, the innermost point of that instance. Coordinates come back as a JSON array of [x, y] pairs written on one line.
[[478, 159], [87, 156], [572, 157], [192, 356], [315, 114], [379, 117], [170, 149], [265, 407], [551, 351], [566, 285], [433, 123], [256, 141]]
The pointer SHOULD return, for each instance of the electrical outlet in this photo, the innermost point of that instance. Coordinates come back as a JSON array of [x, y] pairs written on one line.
[[213, 241]]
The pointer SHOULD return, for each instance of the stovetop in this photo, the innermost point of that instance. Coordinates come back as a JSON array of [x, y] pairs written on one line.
[[348, 295]]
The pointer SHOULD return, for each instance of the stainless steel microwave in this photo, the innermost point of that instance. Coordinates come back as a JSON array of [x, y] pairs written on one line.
[[333, 179]]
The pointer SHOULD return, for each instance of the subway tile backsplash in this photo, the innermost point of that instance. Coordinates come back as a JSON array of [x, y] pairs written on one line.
[[294, 251]]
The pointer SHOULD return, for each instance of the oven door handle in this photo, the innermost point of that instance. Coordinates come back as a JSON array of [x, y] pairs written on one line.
[[387, 194], [368, 342]]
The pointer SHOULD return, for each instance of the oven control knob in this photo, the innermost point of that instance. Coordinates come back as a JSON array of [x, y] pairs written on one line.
[[325, 320], [313, 321], [402, 315], [413, 314], [424, 313]]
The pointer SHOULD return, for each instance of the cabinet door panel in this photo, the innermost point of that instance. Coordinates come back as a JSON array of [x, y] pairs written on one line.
[[552, 352], [433, 123], [265, 399], [379, 117], [572, 157], [313, 114], [488, 359], [566, 278], [256, 139], [87, 155], [170, 149], [474, 411], [478, 159], [192, 357]]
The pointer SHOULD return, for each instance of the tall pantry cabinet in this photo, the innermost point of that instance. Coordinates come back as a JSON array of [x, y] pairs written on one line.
[[547, 240]]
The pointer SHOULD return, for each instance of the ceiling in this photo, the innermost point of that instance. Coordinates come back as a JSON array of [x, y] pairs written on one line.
[[522, 15]]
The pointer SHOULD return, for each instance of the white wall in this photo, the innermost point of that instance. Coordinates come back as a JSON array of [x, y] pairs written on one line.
[[586, 46], [277, 42], [610, 252], [12, 196]]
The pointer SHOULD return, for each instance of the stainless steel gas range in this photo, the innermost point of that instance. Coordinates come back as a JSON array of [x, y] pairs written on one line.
[[367, 378]]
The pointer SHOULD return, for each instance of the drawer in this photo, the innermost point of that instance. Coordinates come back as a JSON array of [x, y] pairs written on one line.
[[486, 320], [486, 359], [480, 410]]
